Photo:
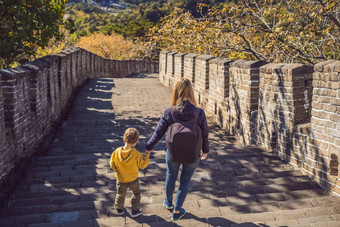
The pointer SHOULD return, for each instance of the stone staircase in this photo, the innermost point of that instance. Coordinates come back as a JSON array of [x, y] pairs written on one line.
[[73, 185]]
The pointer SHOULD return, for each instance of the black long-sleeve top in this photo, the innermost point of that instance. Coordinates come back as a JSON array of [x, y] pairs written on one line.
[[167, 120]]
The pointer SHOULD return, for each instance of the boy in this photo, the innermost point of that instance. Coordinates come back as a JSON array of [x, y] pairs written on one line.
[[125, 161]]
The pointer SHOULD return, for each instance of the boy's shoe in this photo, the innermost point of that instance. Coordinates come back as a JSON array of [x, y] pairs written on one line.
[[136, 213], [120, 211], [168, 205], [178, 216]]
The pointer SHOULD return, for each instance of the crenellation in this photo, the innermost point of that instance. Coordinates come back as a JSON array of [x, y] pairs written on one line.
[[170, 69], [92, 63], [62, 77], [34, 97], [189, 67], [78, 65], [179, 66], [126, 68], [96, 68], [16, 112], [68, 72], [112, 68], [243, 98], [38, 96], [131, 67], [162, 65], [74, 66], [201, 84], [88, 63], [290, 109], [53, 89]]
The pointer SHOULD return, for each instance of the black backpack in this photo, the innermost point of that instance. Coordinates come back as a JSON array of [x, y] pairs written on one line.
[[184, 137]]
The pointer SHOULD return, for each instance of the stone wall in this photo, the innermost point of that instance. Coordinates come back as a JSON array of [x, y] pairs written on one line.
[[179, 69], [170, 69], [201, 84], [284, 102], [292, 110], [34, 97]]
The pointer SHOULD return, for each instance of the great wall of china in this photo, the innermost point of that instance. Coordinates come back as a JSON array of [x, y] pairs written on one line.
[[35, 96], [291, 109]]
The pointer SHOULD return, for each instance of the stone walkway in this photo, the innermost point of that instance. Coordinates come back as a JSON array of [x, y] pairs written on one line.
[[73, 185]]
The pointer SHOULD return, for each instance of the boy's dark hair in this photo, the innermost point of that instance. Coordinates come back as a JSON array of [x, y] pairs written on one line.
[[131, 135]]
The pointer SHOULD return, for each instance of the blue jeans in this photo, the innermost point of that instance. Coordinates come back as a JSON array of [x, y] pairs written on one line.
[[171, 177]]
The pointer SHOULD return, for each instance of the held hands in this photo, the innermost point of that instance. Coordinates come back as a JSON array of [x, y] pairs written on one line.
[[148, 152], [203, 155]]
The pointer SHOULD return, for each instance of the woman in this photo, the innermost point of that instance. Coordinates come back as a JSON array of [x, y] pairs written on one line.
[[185, 105]]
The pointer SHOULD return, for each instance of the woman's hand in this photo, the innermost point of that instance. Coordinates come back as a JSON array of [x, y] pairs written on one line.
[[203, 155]]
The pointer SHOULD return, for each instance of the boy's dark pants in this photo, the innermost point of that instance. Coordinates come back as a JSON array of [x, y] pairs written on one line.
[[121, 192]]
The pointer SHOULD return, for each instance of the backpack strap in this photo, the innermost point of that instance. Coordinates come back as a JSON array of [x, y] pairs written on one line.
[[173, 109]]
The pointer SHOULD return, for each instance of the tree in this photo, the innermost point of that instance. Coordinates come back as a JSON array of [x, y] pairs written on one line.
[[113, 46], [27, 25], [306, 31], [132, 28]]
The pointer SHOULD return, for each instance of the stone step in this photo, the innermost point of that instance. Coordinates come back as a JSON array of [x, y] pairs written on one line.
[[206, 217], [212, 217], [61, 158], [71, 161], [87, 175], [50, 195], [40, 196], [226, 206], [81, 149], [50, 192]]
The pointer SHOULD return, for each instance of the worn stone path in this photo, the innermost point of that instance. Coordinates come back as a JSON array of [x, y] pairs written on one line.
[[73, 184]]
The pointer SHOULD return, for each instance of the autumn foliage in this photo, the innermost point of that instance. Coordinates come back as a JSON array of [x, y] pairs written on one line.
[[306, 31], [108, 46]]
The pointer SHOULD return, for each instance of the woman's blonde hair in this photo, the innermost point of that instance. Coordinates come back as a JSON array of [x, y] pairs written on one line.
[[183, 90]]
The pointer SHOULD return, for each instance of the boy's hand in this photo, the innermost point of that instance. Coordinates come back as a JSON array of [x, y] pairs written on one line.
[[204, 155], [148, 152]]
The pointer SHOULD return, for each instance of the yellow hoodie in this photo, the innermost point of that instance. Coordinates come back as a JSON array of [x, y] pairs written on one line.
[[125, 163]]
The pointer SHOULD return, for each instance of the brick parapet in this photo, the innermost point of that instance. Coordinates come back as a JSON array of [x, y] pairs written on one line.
[[53, 89], [38, 96], [284, 101], [201, 84], [170, 69], [291, 109], [15, 85], [219, 92], [62, 78], [189, 66], [162, 65], [68, 72], [243, 99], [325, 121], [34, 97], [179, 66]]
